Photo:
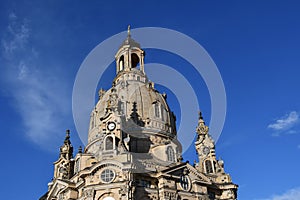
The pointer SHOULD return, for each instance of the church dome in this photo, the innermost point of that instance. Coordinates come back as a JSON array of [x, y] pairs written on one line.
[[132, 88], [132, 151], [133, 105]]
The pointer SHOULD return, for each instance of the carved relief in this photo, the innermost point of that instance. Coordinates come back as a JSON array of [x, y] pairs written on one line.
[[170, 195], [158, 140], [88, 193], [124, 190], [61, 196], [112, 102], [228, 194]]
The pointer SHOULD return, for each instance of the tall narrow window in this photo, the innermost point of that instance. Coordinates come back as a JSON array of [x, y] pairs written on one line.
[[162, 109], [134, 60], [121, 107], [109, 143], [208, 167], [121, 63], [156, 110], [170, 154]]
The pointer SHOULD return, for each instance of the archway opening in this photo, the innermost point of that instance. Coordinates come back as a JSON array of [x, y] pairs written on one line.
[[134, 60], [121, 63]]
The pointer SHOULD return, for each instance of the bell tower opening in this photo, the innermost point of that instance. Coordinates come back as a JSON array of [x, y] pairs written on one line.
[[130, 55], [121, 63], [135, 60]]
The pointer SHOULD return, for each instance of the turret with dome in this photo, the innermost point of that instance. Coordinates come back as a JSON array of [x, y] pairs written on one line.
[[133, 151]]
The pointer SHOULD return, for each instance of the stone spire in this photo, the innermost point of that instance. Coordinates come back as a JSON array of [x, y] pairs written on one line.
[[64, 166], [66, 150], [205, 147]]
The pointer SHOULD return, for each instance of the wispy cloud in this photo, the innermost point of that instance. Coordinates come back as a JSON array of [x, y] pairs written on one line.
[[39, 94], [16, 37], [285, 123], [292, 194]]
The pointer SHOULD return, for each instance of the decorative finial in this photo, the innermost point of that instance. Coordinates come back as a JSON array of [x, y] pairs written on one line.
[[128, 31], [67, 133], [200, 115], [180, 158], [80, 149], [67, 139]]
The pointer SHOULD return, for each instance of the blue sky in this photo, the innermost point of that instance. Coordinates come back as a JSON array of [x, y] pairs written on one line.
[[255, 45]]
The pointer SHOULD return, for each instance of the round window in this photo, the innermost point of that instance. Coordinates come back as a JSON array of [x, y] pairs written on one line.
[[107, 175]]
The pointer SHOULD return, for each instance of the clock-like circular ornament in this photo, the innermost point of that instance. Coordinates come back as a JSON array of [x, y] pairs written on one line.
[[206, 150], [111, 126]]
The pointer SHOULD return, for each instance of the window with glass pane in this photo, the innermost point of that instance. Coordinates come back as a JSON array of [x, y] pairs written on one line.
[[107, 175], [184, 182], [170, 154], [156, 107], [208, 167], [109, 143]]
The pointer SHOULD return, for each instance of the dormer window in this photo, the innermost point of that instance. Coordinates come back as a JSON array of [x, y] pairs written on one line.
[[170, 154]]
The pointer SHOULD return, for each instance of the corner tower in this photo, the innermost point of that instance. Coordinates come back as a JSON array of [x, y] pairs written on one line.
[[133, 151]]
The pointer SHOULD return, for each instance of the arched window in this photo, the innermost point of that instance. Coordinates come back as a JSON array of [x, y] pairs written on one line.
[[208, 167], [121, 63], [109, 143], [170, 154], [121, 107], [162, 109], [156, 110], [134, 60]]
